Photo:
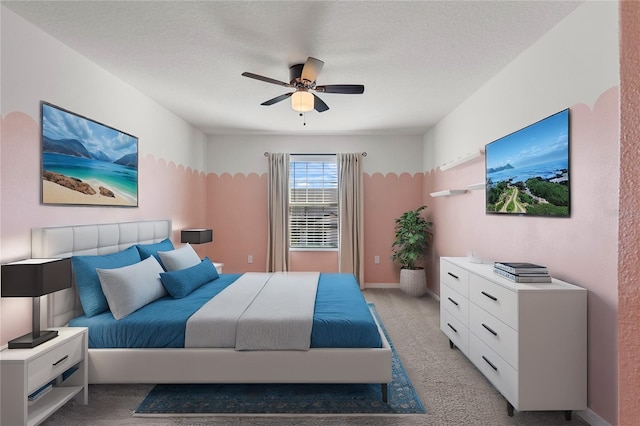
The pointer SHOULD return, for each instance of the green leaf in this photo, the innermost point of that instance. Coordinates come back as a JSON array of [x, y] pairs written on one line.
[[412, 238]]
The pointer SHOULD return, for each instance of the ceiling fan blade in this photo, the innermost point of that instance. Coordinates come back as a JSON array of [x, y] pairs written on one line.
[[266, 79], [319, 105], [277, 99], [349, 89], [311, 69]]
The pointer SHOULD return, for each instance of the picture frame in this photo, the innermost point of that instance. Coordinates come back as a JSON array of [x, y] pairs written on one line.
[[85, 162]]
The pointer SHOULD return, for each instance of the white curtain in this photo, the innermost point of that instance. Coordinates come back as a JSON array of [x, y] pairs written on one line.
[[350, 204], [278, 214]]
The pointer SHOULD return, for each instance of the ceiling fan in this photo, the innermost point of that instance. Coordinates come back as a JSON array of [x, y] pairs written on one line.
[[303, 79]]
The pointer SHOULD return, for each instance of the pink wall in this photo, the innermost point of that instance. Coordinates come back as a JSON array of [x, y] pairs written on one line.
[[311, 261], [237, 208], [236, 211], [581, 249], [161, 194], [629, 232], [386, 198]]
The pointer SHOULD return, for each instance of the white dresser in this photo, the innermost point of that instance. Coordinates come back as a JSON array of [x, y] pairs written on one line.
[[529, 340]]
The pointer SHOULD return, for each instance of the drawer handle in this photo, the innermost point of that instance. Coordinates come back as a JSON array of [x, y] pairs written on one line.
[[452, 275], [495, 299], [489, 329], [452, 301], [452, 327], [490, 363], [64, 358]]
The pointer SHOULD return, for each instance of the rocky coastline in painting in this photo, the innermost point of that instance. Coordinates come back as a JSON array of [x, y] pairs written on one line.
[[76, 184], [62, 189]]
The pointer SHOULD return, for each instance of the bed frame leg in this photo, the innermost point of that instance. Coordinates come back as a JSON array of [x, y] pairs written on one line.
[[385, 392]]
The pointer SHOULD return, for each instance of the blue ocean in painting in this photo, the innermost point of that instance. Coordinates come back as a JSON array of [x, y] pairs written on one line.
[[546, 171], [114, 176]]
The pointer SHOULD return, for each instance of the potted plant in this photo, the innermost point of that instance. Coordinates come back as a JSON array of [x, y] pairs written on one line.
[[412, 238]]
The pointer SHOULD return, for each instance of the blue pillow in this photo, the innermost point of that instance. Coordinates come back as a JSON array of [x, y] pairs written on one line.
[[84, 268], [183, 281], [147, 250]]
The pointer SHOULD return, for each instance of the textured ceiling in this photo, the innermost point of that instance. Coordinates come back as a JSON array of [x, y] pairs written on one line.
[[417, 60]]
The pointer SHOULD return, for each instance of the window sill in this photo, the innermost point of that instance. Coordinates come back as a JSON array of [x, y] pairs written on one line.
[[313, 249]]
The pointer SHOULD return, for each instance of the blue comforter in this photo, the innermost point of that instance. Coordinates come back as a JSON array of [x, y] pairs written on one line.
[[341, 318]]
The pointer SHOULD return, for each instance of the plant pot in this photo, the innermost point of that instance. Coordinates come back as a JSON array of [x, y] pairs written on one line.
[[413, 281]]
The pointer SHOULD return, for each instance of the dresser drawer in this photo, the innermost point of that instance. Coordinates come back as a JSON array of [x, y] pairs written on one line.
[[53, 363], [497, 335], [494, 368], [455, 303], [495, 299], [455, 331], [455, 277]]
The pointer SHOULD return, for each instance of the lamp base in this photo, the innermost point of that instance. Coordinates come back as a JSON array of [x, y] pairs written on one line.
[[28, 341]]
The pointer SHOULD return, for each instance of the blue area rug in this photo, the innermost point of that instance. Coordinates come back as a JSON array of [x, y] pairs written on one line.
[[299, 399]]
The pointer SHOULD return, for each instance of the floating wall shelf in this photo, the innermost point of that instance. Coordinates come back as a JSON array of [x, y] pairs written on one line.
[[474, 186], [448, 192], [461, 160]]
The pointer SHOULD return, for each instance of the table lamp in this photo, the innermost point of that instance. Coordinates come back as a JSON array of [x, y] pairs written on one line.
[[196, 236], [35, 278]]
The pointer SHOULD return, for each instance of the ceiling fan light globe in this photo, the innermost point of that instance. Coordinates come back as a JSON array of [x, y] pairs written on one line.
[[302, 101]]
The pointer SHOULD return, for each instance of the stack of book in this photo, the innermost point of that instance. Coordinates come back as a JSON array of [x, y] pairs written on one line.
[[522, 272], [39, 393]]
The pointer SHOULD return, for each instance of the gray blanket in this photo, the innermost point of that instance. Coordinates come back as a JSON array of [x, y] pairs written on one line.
[[260, 311]]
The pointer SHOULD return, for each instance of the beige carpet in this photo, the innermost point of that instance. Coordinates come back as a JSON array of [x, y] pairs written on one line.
[[452, 390]]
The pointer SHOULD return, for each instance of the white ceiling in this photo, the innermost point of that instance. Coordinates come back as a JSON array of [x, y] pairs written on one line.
[[417, 59]]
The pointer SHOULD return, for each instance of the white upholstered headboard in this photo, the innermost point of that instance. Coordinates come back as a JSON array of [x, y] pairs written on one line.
[[95, 239]]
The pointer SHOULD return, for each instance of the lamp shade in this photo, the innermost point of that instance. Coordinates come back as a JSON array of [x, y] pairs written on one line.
[[302, 101], [196, 236], [35, 277]]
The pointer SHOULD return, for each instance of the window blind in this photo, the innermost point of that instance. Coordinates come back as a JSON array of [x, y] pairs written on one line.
[[313, 202]]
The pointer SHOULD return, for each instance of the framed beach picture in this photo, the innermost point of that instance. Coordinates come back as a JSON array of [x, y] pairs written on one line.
[[85, 162]]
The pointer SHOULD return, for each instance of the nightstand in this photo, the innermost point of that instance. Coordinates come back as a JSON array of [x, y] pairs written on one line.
[[218, 266], [62, 361]]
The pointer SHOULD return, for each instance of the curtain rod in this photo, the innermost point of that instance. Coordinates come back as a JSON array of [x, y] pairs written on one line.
[[266, 154]]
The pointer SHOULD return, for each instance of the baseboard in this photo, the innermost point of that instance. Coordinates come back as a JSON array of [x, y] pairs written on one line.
[[396, 285], [432, 294], [381, 285], [592, 418]]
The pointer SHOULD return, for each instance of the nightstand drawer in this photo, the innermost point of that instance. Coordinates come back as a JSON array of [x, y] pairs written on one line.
[[455, 277], [51, 364], [455, 303], [495, 299]]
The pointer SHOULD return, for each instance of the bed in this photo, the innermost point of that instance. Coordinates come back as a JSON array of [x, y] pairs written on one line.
[[194, 365]]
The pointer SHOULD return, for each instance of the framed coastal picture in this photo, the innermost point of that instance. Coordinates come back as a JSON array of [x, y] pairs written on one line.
[[85, 162]]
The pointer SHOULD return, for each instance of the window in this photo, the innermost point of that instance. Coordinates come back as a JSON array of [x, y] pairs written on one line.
[[313, 202]]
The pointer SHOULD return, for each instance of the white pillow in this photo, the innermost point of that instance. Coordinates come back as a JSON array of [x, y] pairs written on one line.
[[180, 258], [129, 288]]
